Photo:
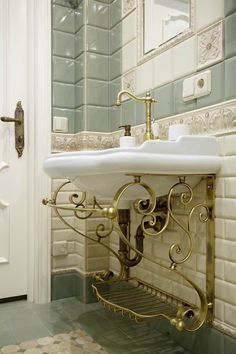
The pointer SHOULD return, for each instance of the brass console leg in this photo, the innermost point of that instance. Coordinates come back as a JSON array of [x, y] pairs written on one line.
[[210, 249]]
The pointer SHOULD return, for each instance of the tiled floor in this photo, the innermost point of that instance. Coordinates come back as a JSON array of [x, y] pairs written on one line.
[[107, 332]]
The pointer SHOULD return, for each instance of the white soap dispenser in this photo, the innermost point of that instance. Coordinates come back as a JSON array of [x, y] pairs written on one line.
[[127, 140]]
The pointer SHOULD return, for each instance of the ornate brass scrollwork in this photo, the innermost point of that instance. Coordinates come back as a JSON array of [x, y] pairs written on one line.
[[154, 222]]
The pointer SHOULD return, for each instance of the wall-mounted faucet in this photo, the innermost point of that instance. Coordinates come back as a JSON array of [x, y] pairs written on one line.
[[148, 100]]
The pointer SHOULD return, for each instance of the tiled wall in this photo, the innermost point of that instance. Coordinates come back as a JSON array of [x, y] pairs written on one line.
[[164, 74], [81, 64]]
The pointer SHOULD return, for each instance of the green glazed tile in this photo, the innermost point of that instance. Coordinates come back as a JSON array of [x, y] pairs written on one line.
[[114, 118], [128, 109], [114, 88], [63, 19], [63, 285], [230, 7], [140, 112], [115, 65], [79, 42], [79, 16], [80, 93], [79, 127], [63, 95], [62, 2], [230, 74], [80, 68], [229, 345], [97, 40], [63, 70], [97, 119], [63, 44], [115, 13], [179, 105], [217, 90], [97, 93], [164, 105], [97, 66], [230, 39], [115, 38], [97, 14], [70, 114]]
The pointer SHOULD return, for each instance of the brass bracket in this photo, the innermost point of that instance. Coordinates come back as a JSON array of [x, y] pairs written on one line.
[[19, 128]]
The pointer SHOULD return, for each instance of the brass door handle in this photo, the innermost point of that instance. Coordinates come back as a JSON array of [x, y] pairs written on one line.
[[9, 120], [19, 127]]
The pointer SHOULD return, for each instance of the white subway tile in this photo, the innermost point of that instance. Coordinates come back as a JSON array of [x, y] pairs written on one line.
[[219, 310], [208, 12], [230, 272], [96, 264], [80, 249], [58, 224], [225, 208], [163, 68], [201, 263], [228, 167], [96, 250], [230, 187], [220, 190], [144, 77], [226, 250], [129, 28], [71, 247], [230, 229], [225, 291], [220, 269], [219, 228], [129, 57], [61, 235], [67, 261], [230, 315], [184, 58]]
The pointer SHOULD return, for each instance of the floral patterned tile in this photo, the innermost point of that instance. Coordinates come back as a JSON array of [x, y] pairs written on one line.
[[75, 342]]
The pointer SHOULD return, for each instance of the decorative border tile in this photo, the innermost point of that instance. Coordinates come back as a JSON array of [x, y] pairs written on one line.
[[210, 45], [128, 6], [216, 120], [128, 82]]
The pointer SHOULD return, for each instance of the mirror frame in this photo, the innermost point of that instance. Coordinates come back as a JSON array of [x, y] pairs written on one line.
[[166, 45]]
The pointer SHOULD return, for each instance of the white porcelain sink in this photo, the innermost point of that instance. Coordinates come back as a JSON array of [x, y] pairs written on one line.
[[102, 172]]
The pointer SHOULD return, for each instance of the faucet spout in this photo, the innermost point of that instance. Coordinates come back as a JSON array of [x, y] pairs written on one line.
[[129, 94], [148, 100]]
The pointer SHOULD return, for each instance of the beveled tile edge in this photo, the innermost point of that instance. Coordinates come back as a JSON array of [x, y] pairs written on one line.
[[218, 119], [210, 45], [225, 328]]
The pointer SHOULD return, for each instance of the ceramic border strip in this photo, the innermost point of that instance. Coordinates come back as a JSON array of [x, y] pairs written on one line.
[[215, 120]]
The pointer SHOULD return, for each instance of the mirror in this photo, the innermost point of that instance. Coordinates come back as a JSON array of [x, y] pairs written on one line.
[[161, 24]]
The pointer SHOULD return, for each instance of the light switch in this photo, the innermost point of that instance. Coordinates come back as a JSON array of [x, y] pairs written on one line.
[[60, 124], [188, 89], [202, 84]]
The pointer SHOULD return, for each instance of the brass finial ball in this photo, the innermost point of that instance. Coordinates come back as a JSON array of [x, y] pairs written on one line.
[[110, 212]]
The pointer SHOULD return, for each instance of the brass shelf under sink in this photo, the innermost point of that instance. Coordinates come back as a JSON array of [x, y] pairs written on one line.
[[138, 300]]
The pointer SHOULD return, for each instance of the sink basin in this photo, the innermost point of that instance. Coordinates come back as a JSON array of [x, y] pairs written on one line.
[[102, 172]]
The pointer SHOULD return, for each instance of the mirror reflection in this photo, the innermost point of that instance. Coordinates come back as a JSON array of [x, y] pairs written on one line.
[[164, 20]]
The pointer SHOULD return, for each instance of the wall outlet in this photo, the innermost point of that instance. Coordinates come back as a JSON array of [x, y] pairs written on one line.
[[202, 84], [60, 248]]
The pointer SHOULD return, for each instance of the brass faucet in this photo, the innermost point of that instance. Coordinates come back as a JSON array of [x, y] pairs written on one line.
[[148, 102]]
